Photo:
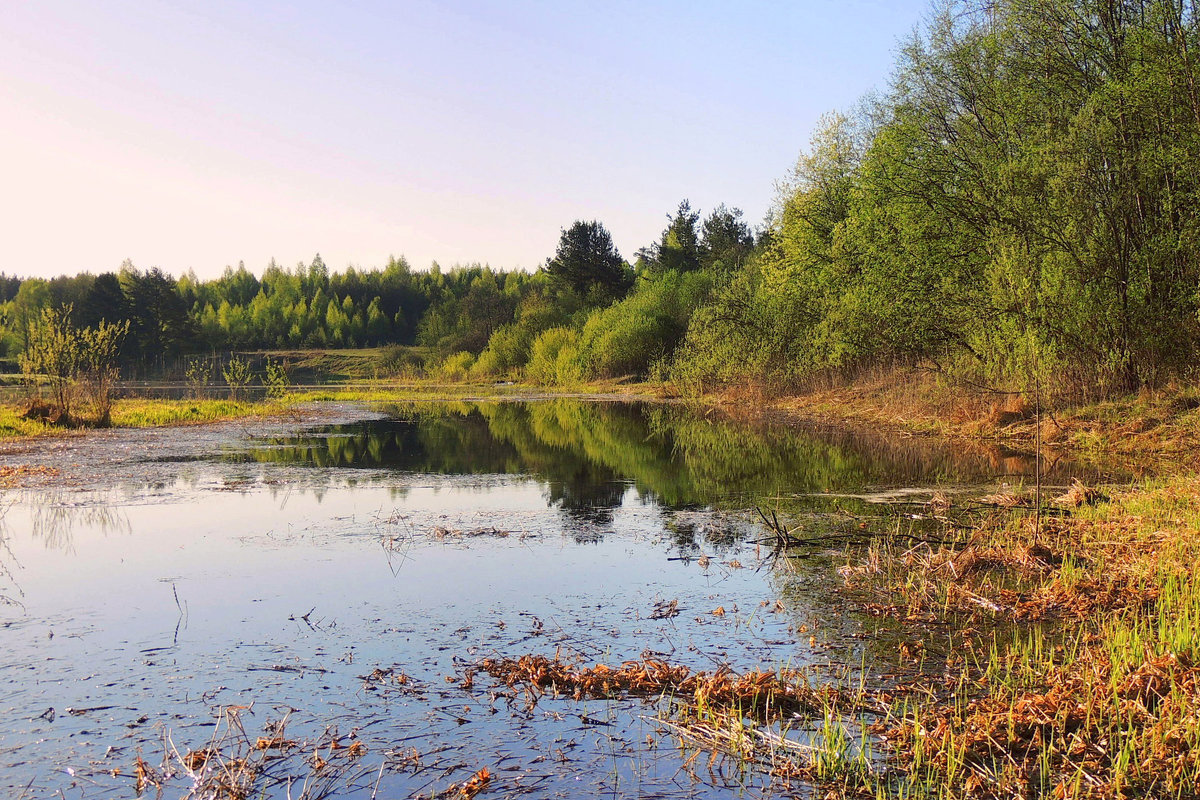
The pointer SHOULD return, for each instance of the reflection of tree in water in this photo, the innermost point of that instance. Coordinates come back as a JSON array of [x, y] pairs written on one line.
[[700, 532], [10, 589], [436, 442], [592, 495], [55, 518], [588, 453], [685, 538]]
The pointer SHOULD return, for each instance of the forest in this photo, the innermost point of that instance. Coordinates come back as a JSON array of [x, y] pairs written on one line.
[[1018, 204]]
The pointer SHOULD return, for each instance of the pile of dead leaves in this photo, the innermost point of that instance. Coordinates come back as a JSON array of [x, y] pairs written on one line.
[[766, 692]]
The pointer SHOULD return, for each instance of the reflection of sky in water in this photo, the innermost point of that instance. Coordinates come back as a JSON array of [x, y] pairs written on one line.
[[101, 626]]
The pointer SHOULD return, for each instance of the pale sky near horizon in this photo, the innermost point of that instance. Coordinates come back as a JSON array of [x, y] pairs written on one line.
[[199, 134]]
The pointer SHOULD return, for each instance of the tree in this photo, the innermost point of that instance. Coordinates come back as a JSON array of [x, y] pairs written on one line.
[[588, 262], [725, 240], [104, 301], [679, 248], [67, 356], [159, 321], [238, 287], [31, 298], [52, 352], [9, 285]]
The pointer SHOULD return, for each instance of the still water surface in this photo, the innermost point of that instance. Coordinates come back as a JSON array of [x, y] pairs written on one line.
[[277, 573]]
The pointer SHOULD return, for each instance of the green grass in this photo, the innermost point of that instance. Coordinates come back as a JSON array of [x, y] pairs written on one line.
[[152, 413], [12, 425], [155, 412], [142, 413]]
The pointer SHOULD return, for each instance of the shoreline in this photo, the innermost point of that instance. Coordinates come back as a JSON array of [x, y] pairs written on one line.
[[1159, 427]]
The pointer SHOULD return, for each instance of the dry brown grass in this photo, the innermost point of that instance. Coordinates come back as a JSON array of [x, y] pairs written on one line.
[[1081, 680], [1154, 423], [746, 717], [232, 765], [765, 692]]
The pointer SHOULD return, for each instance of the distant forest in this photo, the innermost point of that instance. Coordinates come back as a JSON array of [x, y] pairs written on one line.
[[1021, 202]]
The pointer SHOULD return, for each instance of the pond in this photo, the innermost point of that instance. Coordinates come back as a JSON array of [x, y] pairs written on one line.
[[314, 596]]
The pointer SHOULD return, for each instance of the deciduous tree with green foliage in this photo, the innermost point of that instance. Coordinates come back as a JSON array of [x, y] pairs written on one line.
[[71, 359], [52, 354], [1021, 204]]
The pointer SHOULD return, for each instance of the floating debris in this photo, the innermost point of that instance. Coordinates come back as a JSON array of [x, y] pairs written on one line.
[[665, 609]]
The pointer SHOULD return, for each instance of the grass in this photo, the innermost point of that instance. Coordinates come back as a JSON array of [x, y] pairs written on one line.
[[153, 412], [13, 425], [144, 412], [1075, 667], [140, 413], [1162, 423]]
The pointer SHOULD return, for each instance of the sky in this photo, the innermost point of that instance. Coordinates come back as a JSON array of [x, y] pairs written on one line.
[[194, 135]]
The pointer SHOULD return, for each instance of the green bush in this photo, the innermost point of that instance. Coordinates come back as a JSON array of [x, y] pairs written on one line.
[[457, 366], [237, 375], [507, 352], [276, 379], [629, 337], [53, 352], [199, 373], [554, 357], [74, 361], [395, 359]]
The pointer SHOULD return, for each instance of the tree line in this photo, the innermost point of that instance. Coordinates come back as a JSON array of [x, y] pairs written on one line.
[[304, 307], [1019, 204], [455, 315]]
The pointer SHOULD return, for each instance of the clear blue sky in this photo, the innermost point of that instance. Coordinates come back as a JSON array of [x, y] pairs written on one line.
[[197, 134]]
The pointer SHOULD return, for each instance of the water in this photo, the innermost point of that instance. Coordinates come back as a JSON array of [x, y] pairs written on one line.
[[293, 572]]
